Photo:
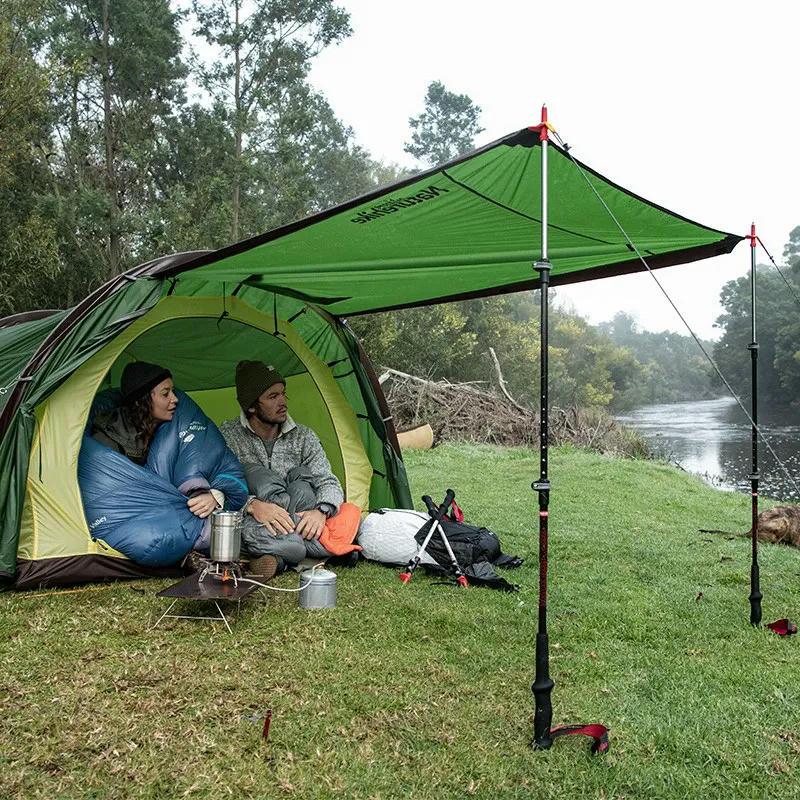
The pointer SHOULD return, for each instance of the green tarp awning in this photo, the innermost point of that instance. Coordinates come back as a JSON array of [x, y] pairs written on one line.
[[465, 229]]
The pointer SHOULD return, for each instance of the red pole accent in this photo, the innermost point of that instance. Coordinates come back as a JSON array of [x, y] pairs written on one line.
[[752, 236], [543, 127], [543, 532], [265, 732]]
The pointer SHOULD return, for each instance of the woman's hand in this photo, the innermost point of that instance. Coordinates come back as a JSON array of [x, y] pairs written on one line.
[[274, 518], [201, 505], [311, 523]]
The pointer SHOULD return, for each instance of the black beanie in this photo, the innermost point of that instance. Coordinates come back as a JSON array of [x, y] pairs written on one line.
[[253, 378], [138, 378]]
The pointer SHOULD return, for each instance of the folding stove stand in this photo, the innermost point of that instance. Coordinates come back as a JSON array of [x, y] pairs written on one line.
[[210, 590]]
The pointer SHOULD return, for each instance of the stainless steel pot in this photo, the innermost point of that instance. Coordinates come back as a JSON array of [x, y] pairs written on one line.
[[319, 589], [226, 535]]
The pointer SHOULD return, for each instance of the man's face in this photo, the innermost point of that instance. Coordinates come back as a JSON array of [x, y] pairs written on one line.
[[270, 407]]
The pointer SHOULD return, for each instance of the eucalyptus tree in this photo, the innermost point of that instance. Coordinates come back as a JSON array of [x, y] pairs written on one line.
[[446, 128], [281, 135], [30, 263], [778, 379], [118, 78]]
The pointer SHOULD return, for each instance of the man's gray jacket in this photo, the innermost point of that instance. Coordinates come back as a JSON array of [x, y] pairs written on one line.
[[295, 446]]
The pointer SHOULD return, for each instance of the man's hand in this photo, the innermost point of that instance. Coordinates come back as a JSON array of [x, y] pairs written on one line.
[[274, 518], [201, 505], [311, 523]]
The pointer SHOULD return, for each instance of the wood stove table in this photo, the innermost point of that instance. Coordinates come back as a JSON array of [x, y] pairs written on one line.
[[209, 590]]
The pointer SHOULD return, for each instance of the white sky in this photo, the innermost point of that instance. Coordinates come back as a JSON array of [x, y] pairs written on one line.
[[691, 105]]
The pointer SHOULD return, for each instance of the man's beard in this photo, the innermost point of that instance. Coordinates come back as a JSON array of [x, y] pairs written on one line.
[[262, 417]]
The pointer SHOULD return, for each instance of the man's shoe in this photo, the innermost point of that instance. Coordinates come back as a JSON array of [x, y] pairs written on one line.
[[263, 567], [194, 562], [347, 560]]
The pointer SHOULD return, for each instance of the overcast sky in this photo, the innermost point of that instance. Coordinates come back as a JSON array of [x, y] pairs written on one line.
[[691, 105]]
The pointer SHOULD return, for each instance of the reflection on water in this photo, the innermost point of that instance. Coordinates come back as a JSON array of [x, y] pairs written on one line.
[[712, 438]]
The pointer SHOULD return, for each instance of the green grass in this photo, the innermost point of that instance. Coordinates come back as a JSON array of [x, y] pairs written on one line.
[[423, 691]]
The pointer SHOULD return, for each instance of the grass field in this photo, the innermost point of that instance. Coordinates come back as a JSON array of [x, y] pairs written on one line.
[[423, 691]]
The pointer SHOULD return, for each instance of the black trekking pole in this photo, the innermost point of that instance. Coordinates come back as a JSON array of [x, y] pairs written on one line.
[[783, 627], [543, 683], [543, 733], [755, 582]]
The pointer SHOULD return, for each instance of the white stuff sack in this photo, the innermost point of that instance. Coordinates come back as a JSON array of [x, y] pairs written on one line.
[[388, 536]]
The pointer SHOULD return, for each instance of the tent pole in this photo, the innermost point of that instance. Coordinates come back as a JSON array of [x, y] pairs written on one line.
[[543, 684], [755, 587]]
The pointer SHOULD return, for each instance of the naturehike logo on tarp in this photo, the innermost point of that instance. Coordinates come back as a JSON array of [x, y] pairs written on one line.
[[399, 203]]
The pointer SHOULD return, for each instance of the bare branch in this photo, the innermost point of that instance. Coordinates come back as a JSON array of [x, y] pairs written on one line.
[[502, 381]]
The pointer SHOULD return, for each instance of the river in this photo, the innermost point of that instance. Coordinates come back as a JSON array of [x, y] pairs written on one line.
[[712, 438]]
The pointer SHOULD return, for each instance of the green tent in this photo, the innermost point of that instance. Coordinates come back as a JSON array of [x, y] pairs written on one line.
[[469, 228]]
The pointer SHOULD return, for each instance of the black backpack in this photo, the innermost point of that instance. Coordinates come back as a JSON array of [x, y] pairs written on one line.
[[470, 543], [476, 549]]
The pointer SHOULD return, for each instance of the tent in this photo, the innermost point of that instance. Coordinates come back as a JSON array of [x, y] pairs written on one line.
[[201, 338], [468, 228]]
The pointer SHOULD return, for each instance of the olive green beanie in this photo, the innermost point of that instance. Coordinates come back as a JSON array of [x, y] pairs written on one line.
[[253, 378]]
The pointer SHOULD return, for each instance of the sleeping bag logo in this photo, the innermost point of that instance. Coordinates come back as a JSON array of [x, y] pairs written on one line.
[[98, 521], [188, 435], [397, 204]]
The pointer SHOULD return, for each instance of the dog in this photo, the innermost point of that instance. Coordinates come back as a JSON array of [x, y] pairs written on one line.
[[778, 525]]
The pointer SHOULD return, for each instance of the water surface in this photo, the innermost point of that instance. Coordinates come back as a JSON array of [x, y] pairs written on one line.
[[712, 438]]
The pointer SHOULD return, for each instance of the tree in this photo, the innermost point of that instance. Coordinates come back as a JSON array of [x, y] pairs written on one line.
[[776, 313], [30, 263], [432, 341], [117, 78], [791, 252], [285, 153], [446, 129], [670, 365], [452, 341]]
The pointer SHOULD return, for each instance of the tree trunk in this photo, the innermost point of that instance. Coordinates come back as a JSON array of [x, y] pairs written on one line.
[[237, 129], [114, 244]]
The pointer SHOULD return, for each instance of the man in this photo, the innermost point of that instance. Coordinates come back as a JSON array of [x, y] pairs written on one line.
[[271, 446]]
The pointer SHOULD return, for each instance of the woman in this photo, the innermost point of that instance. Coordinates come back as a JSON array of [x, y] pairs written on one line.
[[147, 399]]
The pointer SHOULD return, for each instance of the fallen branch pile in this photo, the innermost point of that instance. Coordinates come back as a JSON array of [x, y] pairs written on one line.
[[467, 412]]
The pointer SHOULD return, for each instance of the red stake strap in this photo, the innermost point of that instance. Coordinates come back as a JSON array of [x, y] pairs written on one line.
[[598, 732], [782, 627]]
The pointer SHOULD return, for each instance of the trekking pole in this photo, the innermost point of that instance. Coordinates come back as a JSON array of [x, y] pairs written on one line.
[[405, 576], [543, 683], [543, 733], [755, 581], [461, 578]]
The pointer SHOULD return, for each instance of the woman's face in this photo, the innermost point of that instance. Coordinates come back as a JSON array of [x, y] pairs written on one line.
[[163, 400]]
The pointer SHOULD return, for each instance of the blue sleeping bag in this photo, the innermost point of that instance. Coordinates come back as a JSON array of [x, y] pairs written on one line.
[[142, 511]]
